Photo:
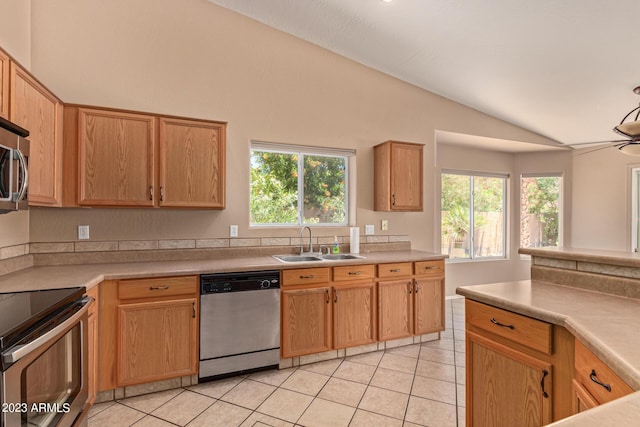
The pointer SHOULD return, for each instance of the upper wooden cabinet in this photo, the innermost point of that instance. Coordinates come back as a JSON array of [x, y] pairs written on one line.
[[128, 159], [116, 158], [192, 163], [4, 85], [397, 179], [36, 109]]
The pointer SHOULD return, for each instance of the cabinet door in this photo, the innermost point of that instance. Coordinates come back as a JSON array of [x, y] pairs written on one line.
[[4, 85], [37, 110], [116, 152], [395, 309], [582, 399], [505, 387], [406, 177], [354, 314], [192, 164], [306, 321], [157, 340], [429, 305]]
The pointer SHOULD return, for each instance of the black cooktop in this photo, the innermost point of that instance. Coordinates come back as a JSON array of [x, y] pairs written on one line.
[[21, 312]]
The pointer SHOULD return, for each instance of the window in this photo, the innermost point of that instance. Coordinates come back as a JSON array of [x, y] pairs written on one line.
[[540, 210], [296, 185], [473, 220]]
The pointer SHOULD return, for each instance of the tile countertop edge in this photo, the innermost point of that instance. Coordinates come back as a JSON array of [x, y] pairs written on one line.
[[519, 296], [89, 275]]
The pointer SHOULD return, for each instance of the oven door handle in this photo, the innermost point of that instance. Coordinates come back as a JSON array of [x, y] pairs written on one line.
[[23, 350]]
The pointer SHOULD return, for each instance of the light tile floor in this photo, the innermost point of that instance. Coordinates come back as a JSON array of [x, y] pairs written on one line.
[[416, 385]]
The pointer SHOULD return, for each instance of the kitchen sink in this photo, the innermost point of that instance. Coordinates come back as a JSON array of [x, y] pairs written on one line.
[[334, 257], [297, 258], [309, 258]]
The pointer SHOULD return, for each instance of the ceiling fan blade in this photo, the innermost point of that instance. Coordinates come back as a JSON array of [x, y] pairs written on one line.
[[598, 142], [610, 144]]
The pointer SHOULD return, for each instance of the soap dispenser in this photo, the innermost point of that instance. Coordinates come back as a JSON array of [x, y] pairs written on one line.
[[336, 247]]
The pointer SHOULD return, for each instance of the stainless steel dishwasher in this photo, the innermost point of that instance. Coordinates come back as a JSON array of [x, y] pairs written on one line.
[[239, 322]]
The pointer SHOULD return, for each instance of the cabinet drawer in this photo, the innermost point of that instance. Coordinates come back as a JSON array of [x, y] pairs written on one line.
[[589, 369], [429, 268], [157, 287], [398, 269], [354, 272], [304, 276], [524, 330]]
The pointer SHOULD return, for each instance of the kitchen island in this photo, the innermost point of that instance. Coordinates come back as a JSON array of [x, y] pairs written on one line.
[[593, 295]]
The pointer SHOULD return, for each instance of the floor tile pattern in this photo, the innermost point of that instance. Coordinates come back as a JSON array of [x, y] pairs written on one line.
[[415, 385]]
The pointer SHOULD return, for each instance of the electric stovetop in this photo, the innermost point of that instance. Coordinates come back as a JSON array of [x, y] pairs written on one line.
[[22, 312]]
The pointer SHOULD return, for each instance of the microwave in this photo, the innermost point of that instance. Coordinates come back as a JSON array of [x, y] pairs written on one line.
[[14, 167]]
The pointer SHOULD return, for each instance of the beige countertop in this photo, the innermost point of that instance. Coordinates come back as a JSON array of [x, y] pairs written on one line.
[[89, 275], [604, 323]]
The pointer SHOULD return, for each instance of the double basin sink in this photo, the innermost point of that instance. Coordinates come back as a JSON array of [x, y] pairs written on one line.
[[314, 257]]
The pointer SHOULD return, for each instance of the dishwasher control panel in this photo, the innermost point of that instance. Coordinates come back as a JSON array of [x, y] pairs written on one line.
[[239, 282]]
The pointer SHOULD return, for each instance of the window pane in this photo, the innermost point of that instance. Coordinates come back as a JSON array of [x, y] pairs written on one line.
[[324, 190], [540, 211], [488, 216], [274, 188], [456, 219]]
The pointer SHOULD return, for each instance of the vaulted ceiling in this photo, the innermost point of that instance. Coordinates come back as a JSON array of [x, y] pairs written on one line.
[[562, 68]]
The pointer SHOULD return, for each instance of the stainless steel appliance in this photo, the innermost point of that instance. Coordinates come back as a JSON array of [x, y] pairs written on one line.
[[239, 322], [43, 356], [14, 171]]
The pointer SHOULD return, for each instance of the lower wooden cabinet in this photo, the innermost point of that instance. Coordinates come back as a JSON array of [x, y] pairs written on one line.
[[157, 340], [506, 387], [306, 321], [395, 307], [518, 369], [93, 349], [428, 296], [595, 382], [148, 330], [354, 314]]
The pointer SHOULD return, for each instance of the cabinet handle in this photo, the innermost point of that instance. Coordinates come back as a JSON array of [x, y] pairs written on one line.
[[416, 287], [161, 193], [335, 296], [310, 276], [495, 322], [151, 192], [158, 288], [410, 287], [328, 298], [393, 200], [194, 310], [593, 377], [544, 374], [431, 267], [395, 270], [355, 273]]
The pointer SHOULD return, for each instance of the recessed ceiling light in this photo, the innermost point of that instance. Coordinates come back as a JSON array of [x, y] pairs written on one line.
[[387, 1]]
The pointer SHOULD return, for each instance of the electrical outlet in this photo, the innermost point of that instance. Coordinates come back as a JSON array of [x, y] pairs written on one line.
[[369, 229], [233, 231], [384, 225], [83, 232]]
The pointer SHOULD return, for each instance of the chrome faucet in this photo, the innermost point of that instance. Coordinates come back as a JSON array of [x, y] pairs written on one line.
[[310, 241]]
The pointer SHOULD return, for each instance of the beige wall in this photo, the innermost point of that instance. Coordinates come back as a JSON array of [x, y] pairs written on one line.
[[514, 267], [15, 38], [602, 199]]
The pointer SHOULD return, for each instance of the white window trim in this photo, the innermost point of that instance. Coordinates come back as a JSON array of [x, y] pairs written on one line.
[[350, 177], [505, 205]]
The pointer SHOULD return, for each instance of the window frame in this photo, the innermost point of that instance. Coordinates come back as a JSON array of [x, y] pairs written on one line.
[[560, 204], [301, 151], [505, 218]]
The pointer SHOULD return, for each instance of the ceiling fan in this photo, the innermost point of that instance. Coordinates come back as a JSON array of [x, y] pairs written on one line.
[[629, 129]]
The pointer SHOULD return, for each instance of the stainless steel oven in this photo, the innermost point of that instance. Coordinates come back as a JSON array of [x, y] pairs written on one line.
[[14, 170], [44, 378]]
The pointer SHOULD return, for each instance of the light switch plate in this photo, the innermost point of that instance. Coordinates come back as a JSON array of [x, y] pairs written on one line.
[[384, 225], [369, 229], [233, 231], [83, 232]]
